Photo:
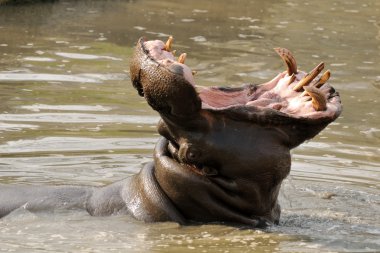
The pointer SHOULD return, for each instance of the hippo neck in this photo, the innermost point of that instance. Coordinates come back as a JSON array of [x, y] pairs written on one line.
[[200, 198], [146, 200]]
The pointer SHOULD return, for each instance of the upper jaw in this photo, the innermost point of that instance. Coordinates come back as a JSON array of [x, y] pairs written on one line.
[[291, 95], [160, 53]]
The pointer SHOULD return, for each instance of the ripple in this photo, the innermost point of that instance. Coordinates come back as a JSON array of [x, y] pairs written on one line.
[[335, 169], [187, 20], [16, 127], [80, 78], [140, 28], [79, 118], [46, 77], [200, 11], [244, 18], [60, 144], [199, 39], [244, 36], [39, 107], [39, 59], [340, 149], [351, 11], [338, 64], [86, 56]]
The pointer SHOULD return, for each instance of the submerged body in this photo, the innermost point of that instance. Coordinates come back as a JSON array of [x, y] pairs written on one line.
[[224, 153]]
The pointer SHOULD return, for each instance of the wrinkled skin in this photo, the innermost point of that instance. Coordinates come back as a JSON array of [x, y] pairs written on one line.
[[223, 154]]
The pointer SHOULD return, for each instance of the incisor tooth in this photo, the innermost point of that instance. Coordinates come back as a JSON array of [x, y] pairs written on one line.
[[291, 79], [194, 72], [323, 79], [288, 58], [168, 44], [182, 58], [309, 77], [318, 99]]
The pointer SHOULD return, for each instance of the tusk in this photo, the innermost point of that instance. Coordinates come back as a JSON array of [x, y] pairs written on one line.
[[318, 99], [321, 81], [168, 44], [288, 58], [309, 77], [182, 58]]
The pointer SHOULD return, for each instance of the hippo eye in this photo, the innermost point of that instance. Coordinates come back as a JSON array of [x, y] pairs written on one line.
[[193, 154]]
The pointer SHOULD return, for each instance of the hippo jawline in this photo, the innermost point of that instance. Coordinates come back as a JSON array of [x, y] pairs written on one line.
[[293, 96]]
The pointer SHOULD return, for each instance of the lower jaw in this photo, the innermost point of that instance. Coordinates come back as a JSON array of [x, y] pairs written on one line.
[[271, 216]]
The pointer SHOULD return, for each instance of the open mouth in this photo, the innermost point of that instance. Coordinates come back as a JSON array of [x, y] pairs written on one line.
[[292, 93], [230, 145]]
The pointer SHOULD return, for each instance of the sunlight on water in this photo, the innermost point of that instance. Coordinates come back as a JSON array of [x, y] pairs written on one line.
[[69, 115]]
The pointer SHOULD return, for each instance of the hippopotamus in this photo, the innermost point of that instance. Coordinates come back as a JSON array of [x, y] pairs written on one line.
[[223, 151]]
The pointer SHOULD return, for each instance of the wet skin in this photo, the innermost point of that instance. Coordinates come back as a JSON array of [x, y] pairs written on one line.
[[223, 154]]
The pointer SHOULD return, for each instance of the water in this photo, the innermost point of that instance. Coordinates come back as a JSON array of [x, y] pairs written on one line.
[[69, 115]]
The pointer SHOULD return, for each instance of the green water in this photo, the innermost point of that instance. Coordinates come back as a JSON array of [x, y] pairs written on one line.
[[69, 115]]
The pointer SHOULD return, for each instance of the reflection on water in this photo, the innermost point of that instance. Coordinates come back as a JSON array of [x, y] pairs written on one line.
[[68, 114]]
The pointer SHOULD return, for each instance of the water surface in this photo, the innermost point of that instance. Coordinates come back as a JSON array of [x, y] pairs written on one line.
[[69, 115]]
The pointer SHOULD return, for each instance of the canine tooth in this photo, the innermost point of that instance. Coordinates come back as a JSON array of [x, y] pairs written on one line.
[[288, 58], [168, 44], [182, 58], [318, 99], [309, 77], [321, 81]]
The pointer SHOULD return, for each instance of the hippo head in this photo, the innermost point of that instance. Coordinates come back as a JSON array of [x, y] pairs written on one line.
[[226, 151]]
